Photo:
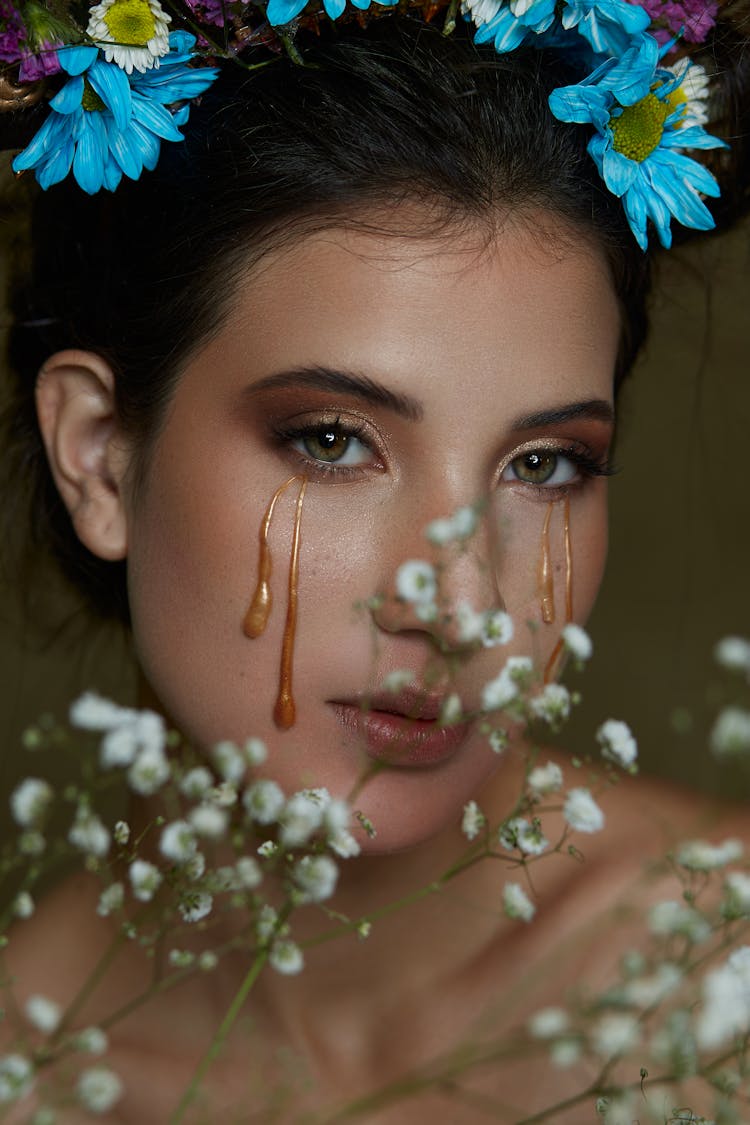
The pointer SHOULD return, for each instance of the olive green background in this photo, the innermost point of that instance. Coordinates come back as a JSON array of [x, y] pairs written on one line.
[[678, 577]]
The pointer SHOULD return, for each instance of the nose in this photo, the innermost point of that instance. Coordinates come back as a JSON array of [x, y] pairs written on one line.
[[444, 586]]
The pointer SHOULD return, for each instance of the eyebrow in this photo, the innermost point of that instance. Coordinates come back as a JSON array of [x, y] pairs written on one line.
[[346, 382], [596, 408]]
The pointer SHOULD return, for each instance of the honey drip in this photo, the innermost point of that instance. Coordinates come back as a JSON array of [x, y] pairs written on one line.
[[556, 651], [284, 712], [546, 576], [257, 615]]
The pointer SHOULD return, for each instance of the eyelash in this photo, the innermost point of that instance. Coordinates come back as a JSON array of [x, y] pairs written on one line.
[[588, 465]]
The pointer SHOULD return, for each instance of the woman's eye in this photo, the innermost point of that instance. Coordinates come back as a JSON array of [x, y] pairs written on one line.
[[333, 445], [541, 468]]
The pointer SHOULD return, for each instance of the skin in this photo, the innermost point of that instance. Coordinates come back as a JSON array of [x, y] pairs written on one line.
[[480, 337]]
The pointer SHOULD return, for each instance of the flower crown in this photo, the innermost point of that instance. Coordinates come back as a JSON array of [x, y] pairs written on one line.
[[122, 83]]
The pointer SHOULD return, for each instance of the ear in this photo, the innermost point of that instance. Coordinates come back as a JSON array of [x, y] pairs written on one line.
[[75, 406]]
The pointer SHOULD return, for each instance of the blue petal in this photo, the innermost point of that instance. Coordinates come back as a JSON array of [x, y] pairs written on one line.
[[617, 171], [112, 173], [688, 170], [506, 31], [334, 8], [635, 211], [90, 156], [54, 131], [363, 5], [155, 118], [181, 116], [112, 86], [68, 99], [149, 144], [282, 11], [125, 150], [181, 45], [175, 85], [581, 104], [74, 60], [57, 167], [692, 136]]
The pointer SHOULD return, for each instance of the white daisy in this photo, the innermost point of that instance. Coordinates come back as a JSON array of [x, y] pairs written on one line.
[[134, 34], [693, 92]]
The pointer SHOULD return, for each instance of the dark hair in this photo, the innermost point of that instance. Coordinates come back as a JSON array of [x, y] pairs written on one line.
[[379, 115]]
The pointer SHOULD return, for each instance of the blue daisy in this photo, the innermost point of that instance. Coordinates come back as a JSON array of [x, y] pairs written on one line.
[[105, 123], [639, 114], [280, 12], [607, 25]]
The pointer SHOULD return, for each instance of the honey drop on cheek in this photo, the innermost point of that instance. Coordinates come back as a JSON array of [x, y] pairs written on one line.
[[556, 651], [284, 712]]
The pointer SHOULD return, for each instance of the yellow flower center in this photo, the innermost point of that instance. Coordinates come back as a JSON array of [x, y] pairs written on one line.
[[90, 100], [677, 99], [130, 22], [639, 128]]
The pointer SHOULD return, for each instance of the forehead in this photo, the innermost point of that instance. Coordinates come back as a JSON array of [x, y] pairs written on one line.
[[436, 315]]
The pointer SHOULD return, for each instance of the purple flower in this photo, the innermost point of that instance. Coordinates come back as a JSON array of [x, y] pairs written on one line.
[[13, 33], [693, 18], [36, 66], [210, 11]]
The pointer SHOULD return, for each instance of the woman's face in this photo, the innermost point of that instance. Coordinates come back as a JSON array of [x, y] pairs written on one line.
[[403, 379]]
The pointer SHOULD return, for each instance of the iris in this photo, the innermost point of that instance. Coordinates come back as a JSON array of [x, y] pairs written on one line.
[[105, 123]]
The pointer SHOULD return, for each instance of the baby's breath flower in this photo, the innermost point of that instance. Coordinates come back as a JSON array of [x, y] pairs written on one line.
[[731, 733], [149, 771], [548, 1023], [266, 923], [88, 834], [344, 845], [645, 991], [464, 522], [501, 691], [286, 957], [91, 1041], [448, 529], [195, 905], [473, 820], [615, 1034], [416, 582], [248, 873], [517, 903], [397, 680], [451, 711], [178, 842], [577, 642], [726, 1001], [92, 712], [733, 653], [668, 918], [208, 961], [263, 801], [16, 1078], [98, 1089], [29, 801], [181, 958], [698, 855], [196, 783], [301, 817], [316, 877], [111, 898], [44, 1014], [498, 740], [582, 812], [144, 879], [737, 884], [229, 761], [565, 1052], [209, 821], [617, 743], [121, 833], [545, 779], [137, 732], [267, 849], [551, 705], [496, 628], [195, 867], [255, 751], [525, 836], [224, 795], [440, 531], [23, 905]]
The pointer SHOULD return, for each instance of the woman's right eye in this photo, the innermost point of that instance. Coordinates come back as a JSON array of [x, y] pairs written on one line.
[[332, 444]]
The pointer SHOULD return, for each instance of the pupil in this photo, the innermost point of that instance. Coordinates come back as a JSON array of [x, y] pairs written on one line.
[[328, 439]]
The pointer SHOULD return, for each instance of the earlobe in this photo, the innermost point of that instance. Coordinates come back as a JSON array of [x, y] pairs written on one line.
[[75, 406]]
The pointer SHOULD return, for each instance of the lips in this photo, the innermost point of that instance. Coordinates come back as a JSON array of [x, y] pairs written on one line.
[[402, 729]]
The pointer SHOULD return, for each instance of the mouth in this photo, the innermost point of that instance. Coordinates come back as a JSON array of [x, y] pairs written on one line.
[[402, 729]]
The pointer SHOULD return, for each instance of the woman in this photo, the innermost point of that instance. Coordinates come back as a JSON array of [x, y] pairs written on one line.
[[371, 315]]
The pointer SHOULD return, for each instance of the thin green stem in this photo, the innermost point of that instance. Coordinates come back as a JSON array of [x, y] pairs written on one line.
[[218, 1040]]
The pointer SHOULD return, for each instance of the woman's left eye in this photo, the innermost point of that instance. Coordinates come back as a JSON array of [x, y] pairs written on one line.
[[542, 467], [333, 445]]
